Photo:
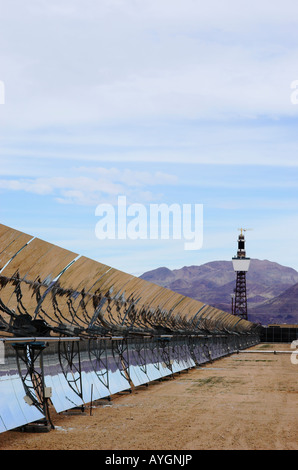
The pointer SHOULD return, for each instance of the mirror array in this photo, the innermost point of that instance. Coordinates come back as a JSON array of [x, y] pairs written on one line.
[[74, 330]]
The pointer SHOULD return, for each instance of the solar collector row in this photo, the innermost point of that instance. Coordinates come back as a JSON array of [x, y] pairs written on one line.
[[39, 263], [97, 370], [49, 283]]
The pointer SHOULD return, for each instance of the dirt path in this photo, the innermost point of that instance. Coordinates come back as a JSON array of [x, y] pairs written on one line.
[[244, 401]]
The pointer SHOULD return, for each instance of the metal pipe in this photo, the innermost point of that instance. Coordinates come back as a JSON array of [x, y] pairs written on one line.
[[265, 352], [44, 339]]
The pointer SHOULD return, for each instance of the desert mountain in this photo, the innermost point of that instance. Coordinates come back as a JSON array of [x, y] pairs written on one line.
[[280, 309], [269, 285]]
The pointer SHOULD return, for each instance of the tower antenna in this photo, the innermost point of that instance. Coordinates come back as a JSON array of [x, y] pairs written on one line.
[[241, 265]]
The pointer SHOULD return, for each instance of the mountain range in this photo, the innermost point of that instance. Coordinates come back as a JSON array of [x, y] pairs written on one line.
[[272, 289]]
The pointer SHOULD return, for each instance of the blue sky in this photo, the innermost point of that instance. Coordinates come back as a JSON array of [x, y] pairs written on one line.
[[166, 101]]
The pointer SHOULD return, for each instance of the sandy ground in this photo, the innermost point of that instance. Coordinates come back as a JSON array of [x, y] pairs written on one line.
[[246, 401]]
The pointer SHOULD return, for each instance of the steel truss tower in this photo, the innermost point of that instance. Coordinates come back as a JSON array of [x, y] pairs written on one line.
[[241, 265]]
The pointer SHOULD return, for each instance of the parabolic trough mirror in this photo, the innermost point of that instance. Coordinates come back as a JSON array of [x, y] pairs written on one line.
[[73, 330]]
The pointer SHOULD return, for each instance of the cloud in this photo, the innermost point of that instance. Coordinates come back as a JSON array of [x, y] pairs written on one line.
[[104, 184], [131, 177], [149, 81], [142, 85], [74, 63]]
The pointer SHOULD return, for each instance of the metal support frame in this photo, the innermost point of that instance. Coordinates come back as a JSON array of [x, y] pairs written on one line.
[[139, 346], [190, 342], [175, 345], [121, 356], [240, 305], [165, 353], [70, 362], [31, 355], [154, 352], [97, 351]]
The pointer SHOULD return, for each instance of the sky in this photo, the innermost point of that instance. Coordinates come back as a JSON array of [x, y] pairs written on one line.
[[178, 102]]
